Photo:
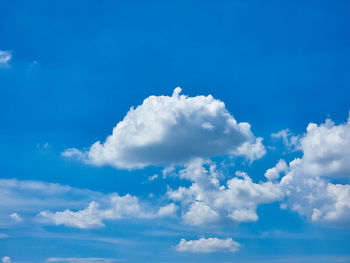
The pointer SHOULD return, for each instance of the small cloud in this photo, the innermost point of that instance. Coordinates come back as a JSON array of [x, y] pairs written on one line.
[[208, 245], [16, 217], [6, 259], [5, 57], [43, 146], [153, 177]]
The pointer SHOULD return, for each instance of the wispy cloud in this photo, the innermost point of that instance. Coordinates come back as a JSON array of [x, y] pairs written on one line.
[[5, 57]]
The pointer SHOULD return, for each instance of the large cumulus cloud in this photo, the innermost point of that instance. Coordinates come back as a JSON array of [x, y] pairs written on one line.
[[309, 184], [167, 130]]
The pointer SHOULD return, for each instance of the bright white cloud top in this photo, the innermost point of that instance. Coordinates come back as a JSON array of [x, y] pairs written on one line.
[[208, 245], [167, 130], [207, 201]]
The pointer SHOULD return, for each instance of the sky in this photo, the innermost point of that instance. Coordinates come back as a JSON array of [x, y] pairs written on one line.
[[174, 131]]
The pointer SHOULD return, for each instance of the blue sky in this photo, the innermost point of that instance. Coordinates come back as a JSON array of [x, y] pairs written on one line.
[[182, 176]]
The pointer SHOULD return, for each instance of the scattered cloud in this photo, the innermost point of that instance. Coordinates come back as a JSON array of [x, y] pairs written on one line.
[[207, 201], [118, 207], [307, 184], [24, 198], [167, 130], [208, 245], [31, 198]]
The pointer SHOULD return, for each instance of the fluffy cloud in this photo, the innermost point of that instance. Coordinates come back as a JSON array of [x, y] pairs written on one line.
[[5, 57], [307, 184], [207, 201], [173, 129], [315, 197], [326, 149], [22, 199], [274, 173], [207, 245], [118, 207], [30, 198]]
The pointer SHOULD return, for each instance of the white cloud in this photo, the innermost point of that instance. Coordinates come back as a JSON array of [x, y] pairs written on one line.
[[166, 130], [5, 57], [30, 198], [316, 198], [6, 259], [153, 177], [307, 184], [118, 207], [274, 172], [326, 149], [208, 245], [291, 141], [27, 198], [16, 217], [207, 201], [84, 260]]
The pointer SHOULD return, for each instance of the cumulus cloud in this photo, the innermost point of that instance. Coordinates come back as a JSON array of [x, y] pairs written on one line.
[[274, 173], [326, 149], [33, 198], [25, 198], [6, 259], [207, 201], [308, 183], [208, 245], [118, 207], [5, 57], [166, 130]]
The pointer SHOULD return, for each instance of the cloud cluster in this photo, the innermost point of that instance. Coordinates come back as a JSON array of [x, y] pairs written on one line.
[[167, 130], [208, 245], [32, 198], [118, 207], [308, 183], [23, 199], [207, 201]]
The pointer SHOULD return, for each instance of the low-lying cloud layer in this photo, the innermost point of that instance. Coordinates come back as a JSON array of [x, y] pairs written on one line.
[[167, 130]]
